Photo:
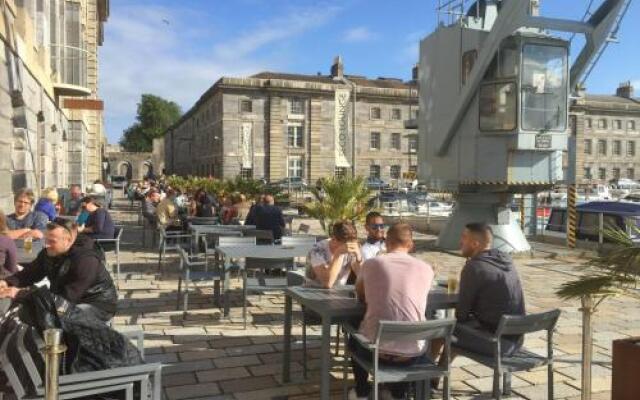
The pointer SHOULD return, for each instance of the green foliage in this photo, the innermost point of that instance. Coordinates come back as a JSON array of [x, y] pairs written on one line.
[[610, 274], [155, 116], [250, 188], [339, 199]]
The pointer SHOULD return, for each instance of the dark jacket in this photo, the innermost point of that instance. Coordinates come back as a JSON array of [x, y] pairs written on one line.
[[102, 224], [489, 288], [269, 217], [79, 276]]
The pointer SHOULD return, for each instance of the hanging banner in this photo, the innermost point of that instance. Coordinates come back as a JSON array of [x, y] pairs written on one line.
[[245, 145], [341, 127]]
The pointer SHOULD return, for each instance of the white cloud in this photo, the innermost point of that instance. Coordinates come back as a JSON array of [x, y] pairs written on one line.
[[147, 50], [358, 34]]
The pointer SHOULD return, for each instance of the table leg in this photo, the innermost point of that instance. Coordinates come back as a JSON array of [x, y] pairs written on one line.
[[325, 365], [227, 278], [286, 357]]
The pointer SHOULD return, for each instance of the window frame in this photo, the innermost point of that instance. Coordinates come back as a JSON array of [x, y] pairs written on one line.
[[516, 106], [396, 141], [371, 136], [588, 146], [299, 137], [631, 148], [243, 102], [377, 169], [604, 152], [379, 111], [300, 102], [298, 158], [393, 114], [397, 174], [616, 148]]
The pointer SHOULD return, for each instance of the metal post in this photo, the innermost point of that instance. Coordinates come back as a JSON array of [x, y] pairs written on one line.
[[600, 228], [53, 349], [572, 216], [587, 310]]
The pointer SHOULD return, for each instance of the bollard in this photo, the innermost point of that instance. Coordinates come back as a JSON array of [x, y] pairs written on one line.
[[52, 351]]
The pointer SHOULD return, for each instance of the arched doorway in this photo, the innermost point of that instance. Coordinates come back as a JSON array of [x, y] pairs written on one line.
[[147, 170], [125, 169]]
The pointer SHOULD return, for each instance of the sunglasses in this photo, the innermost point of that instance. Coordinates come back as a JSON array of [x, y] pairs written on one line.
[[66, 224], [377, 226]]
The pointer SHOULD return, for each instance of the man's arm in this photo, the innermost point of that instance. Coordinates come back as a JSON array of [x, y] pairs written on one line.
[[31, 273], [327, 274], [82, 275], [467, 293], [18, 233]]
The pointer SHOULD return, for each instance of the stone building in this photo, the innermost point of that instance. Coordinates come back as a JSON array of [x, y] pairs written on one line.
[[50, 113], [607, 129], [274, 125]]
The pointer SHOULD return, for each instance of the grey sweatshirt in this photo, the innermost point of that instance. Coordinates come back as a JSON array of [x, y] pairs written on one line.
[[489, 288]]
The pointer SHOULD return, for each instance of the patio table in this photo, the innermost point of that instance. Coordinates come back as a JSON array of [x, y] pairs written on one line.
[[336, 306]]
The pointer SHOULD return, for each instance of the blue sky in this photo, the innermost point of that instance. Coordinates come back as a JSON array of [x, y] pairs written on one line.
[[178, 48]]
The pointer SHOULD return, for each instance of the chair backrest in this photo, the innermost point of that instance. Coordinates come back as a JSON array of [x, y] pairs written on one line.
[[22, 360], [298, 240], [204, 220], [523, 324], [117, 233], [296, 278], [304, 228], [236, 241], [414, 331]]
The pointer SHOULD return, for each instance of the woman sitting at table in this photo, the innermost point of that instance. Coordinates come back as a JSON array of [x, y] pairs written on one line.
[[8, 251], [332, 261], [229, 212], [99, 224]]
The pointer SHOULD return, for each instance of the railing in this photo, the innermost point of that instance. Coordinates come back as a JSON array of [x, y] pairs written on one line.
[[70, 63]]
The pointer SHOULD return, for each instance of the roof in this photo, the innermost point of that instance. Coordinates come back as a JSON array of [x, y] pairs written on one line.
[[384, 83], [603, 98], [616, 207]]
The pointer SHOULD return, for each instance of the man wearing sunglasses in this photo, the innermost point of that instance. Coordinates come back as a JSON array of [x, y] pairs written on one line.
[[75, 268], [374, 245]]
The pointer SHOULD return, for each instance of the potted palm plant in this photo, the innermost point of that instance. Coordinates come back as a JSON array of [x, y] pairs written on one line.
[[612, 273]]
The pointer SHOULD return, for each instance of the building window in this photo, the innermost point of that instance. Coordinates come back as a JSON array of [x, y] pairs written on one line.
[[396, 114], [414, 114], [395, 172], [617, 124], [602, 123], [631, 173], [246, 173], [296, 106], [376, 113], [295, 167], [587, 172], [587, 123], [395, 141], [374, 141], [468, 59], [602, 147], [631, 125], [498, 107], [602, 173], [340, 172], [587, 146], [413, 144], [374, 171], [631, 148], [295, 134], [246, 106], [616, 173], [413, 169], [617, 148]]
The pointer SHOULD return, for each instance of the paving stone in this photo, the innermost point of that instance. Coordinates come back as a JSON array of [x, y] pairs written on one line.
[[187, 378], [191, 391], [538, 392], [221, 374], [242, 361], [255, 383]]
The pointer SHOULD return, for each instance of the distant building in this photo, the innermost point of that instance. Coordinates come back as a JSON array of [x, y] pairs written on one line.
[[274, 125], [50, 113], [608, 136]]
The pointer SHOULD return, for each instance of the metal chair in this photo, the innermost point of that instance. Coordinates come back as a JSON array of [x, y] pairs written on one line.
[[171, 240], [421, 372], [187, 274], [115, 242], [232, 264], [23, 363], [521, 360], [203, 220]]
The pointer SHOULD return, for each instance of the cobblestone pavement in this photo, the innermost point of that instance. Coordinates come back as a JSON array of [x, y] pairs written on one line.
[[207, 357]]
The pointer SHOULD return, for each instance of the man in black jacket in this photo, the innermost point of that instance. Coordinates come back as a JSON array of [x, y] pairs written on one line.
[[269, 217], [489, 288], [75, 268]]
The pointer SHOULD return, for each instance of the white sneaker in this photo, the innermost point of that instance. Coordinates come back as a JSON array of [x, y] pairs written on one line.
[[354, 396]]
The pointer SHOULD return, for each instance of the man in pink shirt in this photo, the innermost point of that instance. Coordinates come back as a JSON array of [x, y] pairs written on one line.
[[394, 287]]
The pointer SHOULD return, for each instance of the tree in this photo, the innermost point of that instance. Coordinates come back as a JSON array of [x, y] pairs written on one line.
[[155, 116]]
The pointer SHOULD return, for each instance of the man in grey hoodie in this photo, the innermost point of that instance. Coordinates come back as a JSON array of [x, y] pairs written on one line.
[[489, 288]]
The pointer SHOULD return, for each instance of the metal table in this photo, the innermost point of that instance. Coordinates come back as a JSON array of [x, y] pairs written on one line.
[[262, 252], [23, 256], [198, 230], [336, 306]]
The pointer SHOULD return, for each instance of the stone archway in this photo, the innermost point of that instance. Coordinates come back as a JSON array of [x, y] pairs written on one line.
[[147, 169], [125, 169]]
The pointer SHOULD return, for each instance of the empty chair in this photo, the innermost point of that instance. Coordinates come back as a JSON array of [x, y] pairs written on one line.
[[113, 245], [521, 360], [422, 371], [193, 268], [171, 240]]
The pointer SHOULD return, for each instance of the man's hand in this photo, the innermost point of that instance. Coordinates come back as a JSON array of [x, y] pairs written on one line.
[[9, 293], [3, 284], [35, 234], [354, 248]]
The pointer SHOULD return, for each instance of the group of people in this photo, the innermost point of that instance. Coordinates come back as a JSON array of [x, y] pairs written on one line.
[[394, 285]]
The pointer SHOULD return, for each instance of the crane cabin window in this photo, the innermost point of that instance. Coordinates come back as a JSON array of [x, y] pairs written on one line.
[[498, 106], [544, 87]]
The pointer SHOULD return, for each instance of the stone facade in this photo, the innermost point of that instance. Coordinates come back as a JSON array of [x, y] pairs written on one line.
[[273, 125], [607, 132], [133, 166], [47, 142]]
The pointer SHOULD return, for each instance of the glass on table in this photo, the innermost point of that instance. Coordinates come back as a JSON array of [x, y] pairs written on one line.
[[28, 245]]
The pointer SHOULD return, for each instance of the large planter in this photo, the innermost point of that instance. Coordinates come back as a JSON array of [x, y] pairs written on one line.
[[626, 366]]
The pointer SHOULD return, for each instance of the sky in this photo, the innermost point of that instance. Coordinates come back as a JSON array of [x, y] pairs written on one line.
[[177, 49]]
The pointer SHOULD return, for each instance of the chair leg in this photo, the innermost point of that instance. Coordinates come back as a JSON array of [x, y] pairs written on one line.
[[550, 380], [374, 385], [337, 340], [506, 383], [179, 292], [420, 390], [244, 297], [446, 388], [496, 385], [185, 301], [118, 260], [345, 372], [304, 349]]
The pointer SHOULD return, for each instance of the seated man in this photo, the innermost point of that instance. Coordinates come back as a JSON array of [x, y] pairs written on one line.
[[75, 269], [395, 287], [99, 224], [268, 217], [374, 245], [167, 212], [73, 204], [23, 222], [332, 261], [149, 206]]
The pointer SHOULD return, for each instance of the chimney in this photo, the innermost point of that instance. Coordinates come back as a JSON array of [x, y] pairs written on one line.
[[414, 72], [337, 69], [534, 9], [625, 90]]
